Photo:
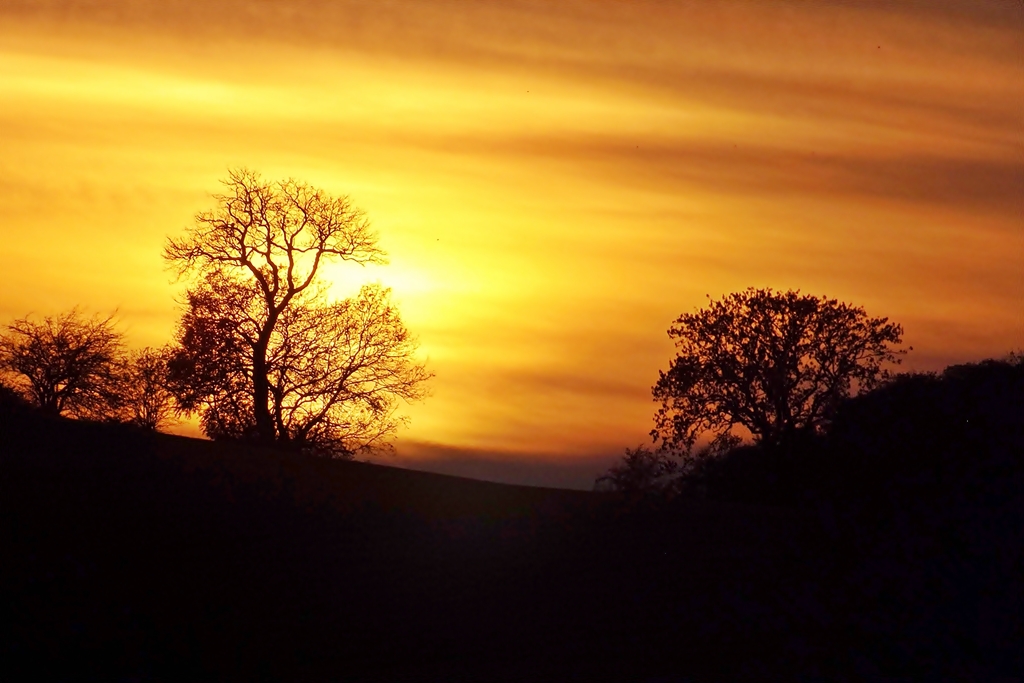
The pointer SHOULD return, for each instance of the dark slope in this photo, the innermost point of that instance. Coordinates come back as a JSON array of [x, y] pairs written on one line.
[[133, 556], [144, 557]]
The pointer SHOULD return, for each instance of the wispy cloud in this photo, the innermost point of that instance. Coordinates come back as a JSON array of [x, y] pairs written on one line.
[[554, 182]]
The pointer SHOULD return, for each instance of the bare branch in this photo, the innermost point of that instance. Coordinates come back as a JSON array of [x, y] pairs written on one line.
[[65, 364], [259, 352], [270, 239]]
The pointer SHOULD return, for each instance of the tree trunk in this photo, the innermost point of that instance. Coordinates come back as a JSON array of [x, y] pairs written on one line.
[[265, 431]]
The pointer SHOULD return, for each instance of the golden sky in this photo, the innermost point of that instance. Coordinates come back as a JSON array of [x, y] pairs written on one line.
[[554, 182]]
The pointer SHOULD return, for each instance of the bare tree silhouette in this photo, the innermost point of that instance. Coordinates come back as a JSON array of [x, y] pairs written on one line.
[[65, 364], [145, 398], [260, 351]]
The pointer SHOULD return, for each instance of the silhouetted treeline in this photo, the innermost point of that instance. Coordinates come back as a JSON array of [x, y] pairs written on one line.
[[919, 488], [951, 433]]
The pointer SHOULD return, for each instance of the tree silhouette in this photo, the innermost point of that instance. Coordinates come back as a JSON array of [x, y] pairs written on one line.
[[775, 363], [260, 351], [145, 398], [641, 471], [65, 364]]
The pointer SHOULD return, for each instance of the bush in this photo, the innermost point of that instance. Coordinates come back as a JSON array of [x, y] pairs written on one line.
[[11, 400], [641, 472]]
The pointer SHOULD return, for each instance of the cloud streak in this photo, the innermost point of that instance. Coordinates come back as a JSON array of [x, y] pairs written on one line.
[[554, 183]]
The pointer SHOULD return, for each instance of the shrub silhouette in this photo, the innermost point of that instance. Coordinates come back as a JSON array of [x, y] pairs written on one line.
[[11, 401], [641, 471]]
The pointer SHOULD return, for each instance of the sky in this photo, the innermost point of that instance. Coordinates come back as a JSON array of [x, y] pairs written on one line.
[[554, 183]]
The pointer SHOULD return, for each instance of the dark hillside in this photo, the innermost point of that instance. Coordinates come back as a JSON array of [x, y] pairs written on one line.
[[920, 488], [145, 557], [136, 556]]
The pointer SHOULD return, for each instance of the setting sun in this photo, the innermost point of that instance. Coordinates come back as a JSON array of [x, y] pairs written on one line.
[[553, 184]]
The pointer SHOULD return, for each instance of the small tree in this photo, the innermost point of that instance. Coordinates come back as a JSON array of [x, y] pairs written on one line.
[[145, 398], [775, 363], [641, 471], [65, 364]]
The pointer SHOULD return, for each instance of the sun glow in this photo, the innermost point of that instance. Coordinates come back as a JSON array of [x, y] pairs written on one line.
[[553, 184]]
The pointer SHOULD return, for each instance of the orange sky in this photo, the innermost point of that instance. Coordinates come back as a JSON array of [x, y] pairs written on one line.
[[554, 182]]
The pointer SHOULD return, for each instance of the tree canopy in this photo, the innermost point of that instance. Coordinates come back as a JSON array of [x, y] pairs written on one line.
[[774, 363], [261, 352]]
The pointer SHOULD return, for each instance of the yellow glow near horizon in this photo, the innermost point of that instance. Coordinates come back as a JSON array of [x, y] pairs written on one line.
[[553, 184]]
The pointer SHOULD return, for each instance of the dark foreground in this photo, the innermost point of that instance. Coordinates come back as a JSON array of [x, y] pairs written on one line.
[[136, 557]]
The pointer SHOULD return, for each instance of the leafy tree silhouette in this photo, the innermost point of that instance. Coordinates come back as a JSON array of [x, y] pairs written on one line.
[[260, 351], [775, 363]]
